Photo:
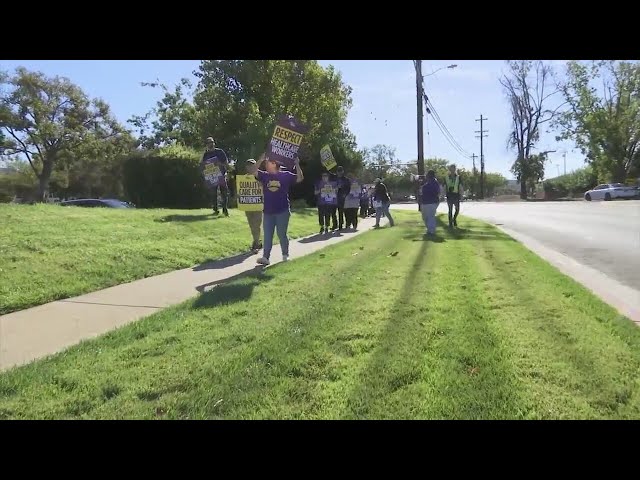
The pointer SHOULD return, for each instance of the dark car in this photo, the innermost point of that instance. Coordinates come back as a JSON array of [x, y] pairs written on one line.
[[95, 202]]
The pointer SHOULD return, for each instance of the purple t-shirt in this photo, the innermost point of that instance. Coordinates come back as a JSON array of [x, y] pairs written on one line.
[[328, 193], [276, 190], [431, 192]]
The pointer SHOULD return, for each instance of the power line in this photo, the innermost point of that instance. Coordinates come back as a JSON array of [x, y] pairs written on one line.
[[445, 131], [436, 117], [442, 127]]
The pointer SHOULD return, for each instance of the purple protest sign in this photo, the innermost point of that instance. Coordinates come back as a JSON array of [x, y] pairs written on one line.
[[286, 140]]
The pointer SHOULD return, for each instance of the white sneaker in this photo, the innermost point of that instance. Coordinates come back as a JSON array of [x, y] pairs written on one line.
[[263, 261], [285, 258]]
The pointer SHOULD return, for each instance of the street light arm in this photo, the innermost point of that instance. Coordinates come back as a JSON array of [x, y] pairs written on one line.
[[450, 67]]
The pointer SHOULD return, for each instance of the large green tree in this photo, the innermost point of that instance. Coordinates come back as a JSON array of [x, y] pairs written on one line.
[[173, 121], [239, 100], [46, 119], [93, 168], [603, 117], [528, 87]]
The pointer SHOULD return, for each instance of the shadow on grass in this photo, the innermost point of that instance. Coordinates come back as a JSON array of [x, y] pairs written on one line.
[[230, 290], [457, 233], [188, 218], [360, 401], [223, 263], [444, 233], [412, 350]]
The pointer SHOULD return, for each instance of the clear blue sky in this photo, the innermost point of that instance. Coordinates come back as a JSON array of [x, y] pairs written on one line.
[[384, 102]]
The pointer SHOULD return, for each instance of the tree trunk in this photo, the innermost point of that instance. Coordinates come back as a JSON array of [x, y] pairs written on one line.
[[45, 177], [523, 189], [619, 174]]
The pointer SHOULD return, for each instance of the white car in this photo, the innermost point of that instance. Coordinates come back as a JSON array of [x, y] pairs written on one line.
[[609, 191]]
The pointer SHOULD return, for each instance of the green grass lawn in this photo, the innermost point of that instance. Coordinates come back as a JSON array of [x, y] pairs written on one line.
[[471, 326], [48, 252]]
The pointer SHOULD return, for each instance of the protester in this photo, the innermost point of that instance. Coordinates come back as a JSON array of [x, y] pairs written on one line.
[[351, 204], [326, 200], [454, 190], [344, 187], [254, 218], [430, 198], [382, 202], [214, 167], [277, 208], [364, 202]]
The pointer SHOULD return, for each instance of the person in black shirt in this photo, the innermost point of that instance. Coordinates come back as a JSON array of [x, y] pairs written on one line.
[[382, 202], [214, 167], [344, 187]]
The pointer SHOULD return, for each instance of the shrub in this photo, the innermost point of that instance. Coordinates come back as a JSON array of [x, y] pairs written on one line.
[[18, 185], [572, 184], [165, 178]]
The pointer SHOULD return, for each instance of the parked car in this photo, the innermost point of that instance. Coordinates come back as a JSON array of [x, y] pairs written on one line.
[[96, 202], [610, 191]]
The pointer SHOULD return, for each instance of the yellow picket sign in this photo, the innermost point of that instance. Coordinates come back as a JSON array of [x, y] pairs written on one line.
[[326, 157], [249, 193]]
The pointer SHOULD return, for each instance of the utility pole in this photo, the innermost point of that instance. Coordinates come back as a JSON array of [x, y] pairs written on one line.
[[564, 157], [420, 94], [482, 132], [475, 171]]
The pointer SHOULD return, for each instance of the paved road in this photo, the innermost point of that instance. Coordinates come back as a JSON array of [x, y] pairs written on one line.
[[601, 235]]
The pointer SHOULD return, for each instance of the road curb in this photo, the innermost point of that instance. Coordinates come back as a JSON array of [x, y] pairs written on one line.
[[624, 299]]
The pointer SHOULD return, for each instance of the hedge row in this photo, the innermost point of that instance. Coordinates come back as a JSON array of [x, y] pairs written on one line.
[[571, 185], [165, 178]]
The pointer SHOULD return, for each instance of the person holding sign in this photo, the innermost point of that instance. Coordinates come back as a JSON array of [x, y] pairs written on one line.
[[327, 201], [214, 167], [277, 208], [351, 204], [344, 187], [327, 159], [250, 199], [364, 202], [382, 202]]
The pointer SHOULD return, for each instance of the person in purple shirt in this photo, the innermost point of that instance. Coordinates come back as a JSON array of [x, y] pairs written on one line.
[[277, 209], [217, 178], [430, 198], [327, 201]]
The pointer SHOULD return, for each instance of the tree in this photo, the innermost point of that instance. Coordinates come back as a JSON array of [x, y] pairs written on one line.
[[240, 100], [173, 119], [526, 85], [377, 162], [94, 168], [532, 171], [603, 117], [46, 119], [493, 182]]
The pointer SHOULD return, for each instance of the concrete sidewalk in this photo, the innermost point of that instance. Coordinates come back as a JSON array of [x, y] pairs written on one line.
[[40, 331]]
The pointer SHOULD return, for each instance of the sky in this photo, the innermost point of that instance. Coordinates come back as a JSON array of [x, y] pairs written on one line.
[[384, 103]]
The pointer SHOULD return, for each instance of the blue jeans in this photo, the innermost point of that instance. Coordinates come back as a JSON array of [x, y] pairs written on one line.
[[280, 223], [429, 216], [384, 209]]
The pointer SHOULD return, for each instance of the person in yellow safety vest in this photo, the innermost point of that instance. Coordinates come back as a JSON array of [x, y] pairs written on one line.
[[453, 185]]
